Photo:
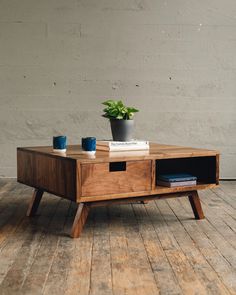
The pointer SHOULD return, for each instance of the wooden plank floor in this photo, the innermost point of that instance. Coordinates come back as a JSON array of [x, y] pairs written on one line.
[[157, 248]]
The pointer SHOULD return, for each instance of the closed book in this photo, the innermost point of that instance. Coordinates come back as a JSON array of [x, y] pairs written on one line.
[[122, 145], [176, 183], [177, 177], [138, 153]]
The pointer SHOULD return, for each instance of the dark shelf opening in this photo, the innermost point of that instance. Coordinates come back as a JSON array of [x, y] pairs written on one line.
[[204, 168]]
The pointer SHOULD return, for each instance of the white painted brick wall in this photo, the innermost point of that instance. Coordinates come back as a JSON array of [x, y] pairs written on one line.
[[175, 60]]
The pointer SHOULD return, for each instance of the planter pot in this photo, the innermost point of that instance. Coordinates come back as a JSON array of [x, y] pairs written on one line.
[[122, 130]]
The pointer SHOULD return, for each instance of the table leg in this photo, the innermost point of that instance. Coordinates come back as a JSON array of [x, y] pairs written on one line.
[[34, 203], [196, 205], [80, 219]]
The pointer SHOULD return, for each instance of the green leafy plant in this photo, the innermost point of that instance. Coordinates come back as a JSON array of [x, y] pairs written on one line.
[[115, 109]]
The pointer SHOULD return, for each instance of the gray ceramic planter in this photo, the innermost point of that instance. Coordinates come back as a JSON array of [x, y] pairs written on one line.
[[122, 130]]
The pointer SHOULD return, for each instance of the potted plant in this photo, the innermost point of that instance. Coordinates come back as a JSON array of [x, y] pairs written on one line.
[[121, 119]]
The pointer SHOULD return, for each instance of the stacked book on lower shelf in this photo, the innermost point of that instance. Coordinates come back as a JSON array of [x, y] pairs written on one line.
[[175, 180]]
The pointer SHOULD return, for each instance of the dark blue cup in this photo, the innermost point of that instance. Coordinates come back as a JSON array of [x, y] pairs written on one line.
[[89, 144], [59, 143]]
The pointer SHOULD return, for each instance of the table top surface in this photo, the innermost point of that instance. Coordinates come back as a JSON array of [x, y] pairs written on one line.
[[156, 151]]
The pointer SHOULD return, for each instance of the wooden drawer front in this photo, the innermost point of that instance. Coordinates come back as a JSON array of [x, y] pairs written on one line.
[[103, 179]]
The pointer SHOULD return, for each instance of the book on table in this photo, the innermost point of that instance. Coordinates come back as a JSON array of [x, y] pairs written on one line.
[[178, 179], [135, 153], [112, 146]]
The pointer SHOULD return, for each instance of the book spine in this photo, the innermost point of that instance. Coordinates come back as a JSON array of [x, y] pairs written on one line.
[[192, 178], [128, 143], [123, 146], [183, 183], [175, 184], [128, 148]]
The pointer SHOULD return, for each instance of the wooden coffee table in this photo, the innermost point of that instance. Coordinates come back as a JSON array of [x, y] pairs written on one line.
[[114, 178]]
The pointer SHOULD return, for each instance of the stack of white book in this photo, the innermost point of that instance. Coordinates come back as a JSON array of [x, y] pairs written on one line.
[[118, 146]]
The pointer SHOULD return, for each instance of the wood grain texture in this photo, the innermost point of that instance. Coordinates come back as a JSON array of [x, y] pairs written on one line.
[[144, 281], [158, 191], [56, 175], [98, 180], [80, 219], [173, 213], [196, 205], [82, 178], [138, 199], [153, 176], [78, 181], [124, 249], [101, 269], [157, 151], [203, 240], [23, 244], [42, 260], [79, 268], [34, 203], [154, 233]]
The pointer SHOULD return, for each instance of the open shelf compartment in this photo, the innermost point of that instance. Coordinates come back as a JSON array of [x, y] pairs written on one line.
[[204, 168]]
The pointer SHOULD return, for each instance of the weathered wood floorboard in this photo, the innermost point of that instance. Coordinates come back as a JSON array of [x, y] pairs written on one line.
[[19, 249], [224, 224], [219, 232], [165, 278], [183, 267], [101, 280], [156, 248], [123, 277], [59, 267], [228, 193], [204, 270], [42, 263], [12, 213], [142, 274], [79, 267], [62, 258], [217, 261]]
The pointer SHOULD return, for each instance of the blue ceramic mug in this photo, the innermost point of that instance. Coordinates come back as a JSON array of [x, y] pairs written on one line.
[[89, 144], [59, 144]]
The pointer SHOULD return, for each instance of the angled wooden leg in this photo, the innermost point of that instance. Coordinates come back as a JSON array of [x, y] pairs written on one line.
[[196, 205], [80, 219], [34, 203]]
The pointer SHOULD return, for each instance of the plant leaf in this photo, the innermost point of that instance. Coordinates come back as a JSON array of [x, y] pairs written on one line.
[[117, 110], [132, 110], [109, 102]]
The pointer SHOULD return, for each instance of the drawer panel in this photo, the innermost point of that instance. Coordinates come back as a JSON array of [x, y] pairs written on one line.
[[114, 178]]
